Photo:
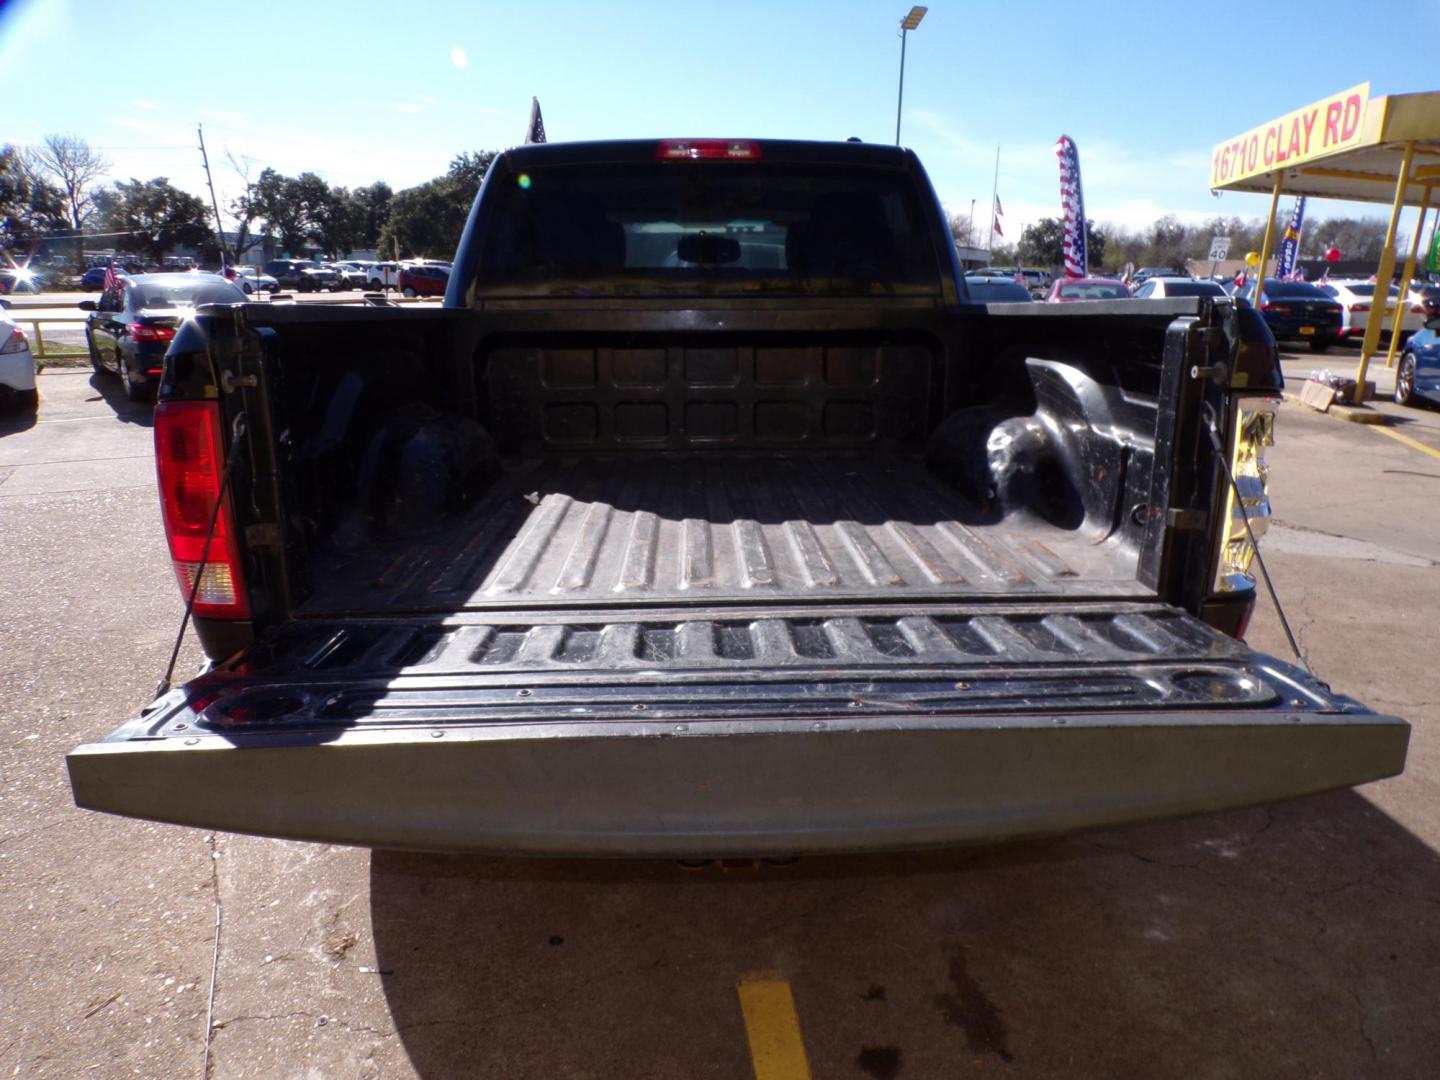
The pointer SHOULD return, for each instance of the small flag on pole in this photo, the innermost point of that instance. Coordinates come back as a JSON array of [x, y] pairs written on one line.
[[536, 131], [999, 213], [999, 210], [112, 279], [998, 231]]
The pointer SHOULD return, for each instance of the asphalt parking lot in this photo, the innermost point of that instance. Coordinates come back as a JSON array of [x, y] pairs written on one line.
[[1301, 940]]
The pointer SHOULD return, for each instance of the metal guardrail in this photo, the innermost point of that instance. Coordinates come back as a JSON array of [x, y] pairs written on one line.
[[257, 298], [42, 351]]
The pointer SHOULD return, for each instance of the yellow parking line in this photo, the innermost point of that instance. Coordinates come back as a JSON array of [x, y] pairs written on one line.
[[772, 1027], [1414, 444]]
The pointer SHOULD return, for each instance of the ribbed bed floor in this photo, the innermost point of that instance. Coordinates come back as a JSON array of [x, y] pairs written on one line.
[[645, 530]]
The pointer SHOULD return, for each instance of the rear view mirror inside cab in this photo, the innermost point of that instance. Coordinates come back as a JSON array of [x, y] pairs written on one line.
[[702, 248]]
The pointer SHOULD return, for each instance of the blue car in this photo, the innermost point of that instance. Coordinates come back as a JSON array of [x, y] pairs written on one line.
[[1298, 310], [1418, 377], [93, 279]]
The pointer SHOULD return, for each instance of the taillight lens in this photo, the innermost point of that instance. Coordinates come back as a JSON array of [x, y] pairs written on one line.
[[707, 150], [189, 463], [1254, 428], [1276, 309], [1359, 309], [142, 332], [15, 342]]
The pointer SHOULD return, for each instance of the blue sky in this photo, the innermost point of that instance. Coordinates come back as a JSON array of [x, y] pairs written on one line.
[[360, 91]]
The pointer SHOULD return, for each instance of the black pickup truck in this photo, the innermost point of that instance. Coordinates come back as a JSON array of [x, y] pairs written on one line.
[[710, 517]]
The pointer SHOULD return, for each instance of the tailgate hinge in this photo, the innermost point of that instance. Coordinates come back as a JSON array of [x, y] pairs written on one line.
[[263, 535]]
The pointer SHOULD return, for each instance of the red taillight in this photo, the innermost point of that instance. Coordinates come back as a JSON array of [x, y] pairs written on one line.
[[1417, 309], [1276, 309], [1359, 309], [189, 463], [142, 332], [14, 342], [707, 150]]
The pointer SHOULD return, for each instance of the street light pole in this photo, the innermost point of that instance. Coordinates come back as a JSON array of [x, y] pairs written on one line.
[[910, 22]]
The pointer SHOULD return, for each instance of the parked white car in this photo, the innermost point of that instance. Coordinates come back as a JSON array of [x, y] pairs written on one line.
[[17, 369], [383, 275], [355, 272], [1157, 288], [251, 279], [1356, 298]]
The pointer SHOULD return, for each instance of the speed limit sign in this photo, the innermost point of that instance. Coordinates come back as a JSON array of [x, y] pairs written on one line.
[[1219, 248]]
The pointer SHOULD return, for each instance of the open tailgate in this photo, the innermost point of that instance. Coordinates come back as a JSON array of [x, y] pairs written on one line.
[[728, 731]]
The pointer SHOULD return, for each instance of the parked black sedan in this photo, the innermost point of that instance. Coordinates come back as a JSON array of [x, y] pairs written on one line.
[[131, 326], [1297, 309]]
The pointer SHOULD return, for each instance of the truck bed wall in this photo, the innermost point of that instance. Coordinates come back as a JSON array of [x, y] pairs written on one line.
[[396, 428]]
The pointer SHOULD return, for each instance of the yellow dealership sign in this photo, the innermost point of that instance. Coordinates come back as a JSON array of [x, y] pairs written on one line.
[[1317, 130]]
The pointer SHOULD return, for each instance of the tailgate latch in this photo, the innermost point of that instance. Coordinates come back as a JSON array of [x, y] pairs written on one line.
[[1186, 520]]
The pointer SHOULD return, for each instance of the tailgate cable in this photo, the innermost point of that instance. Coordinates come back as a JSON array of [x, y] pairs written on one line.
[[1212, 429], [237, 434]]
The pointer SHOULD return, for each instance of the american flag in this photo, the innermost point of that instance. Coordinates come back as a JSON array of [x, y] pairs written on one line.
[[999, 213], [536, 131], [1072, 201], [112, 279]]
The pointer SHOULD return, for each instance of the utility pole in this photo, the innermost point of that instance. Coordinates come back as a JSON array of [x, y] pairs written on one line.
[[219, 230]]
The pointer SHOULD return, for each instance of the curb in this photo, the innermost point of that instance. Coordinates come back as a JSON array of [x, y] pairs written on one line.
[[1355, 414]]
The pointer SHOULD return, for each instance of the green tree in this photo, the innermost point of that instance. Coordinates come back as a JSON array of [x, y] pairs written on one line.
[[428, 218], [29, 207], [1043, 243], [155, 215], [469, 169], [371, 208], [273, 200]]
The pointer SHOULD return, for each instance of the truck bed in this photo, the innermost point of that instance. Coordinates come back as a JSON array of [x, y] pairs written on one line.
[[587, 531]]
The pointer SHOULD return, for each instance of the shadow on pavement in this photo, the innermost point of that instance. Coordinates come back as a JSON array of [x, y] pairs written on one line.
[[1288, 941], [112, 390], [16, 415]]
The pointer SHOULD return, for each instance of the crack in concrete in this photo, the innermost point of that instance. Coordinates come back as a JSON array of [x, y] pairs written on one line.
[[214, 852], [1396, 556], [1271, 817], [319, 1019], [1360, 1017], [29, 832]]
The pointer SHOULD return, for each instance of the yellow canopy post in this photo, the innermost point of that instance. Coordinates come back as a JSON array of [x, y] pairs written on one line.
[[1266, 243], [1405, 275], [1383, 274]]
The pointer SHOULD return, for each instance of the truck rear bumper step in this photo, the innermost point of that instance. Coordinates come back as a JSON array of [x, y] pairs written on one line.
[[733, 788]]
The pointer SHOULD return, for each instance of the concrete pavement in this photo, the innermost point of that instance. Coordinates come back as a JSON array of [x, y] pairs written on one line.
[[1301, 940]]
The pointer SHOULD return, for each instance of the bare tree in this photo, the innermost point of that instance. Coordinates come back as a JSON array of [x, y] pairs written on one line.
[[244, 208], [68, 162]]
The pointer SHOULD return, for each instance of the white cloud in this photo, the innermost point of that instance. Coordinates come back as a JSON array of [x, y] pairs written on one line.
[[458, 57], [143, 103]]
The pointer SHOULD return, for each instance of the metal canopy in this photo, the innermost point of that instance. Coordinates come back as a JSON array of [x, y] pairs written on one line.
[[1363, 168], [1347, 146]]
